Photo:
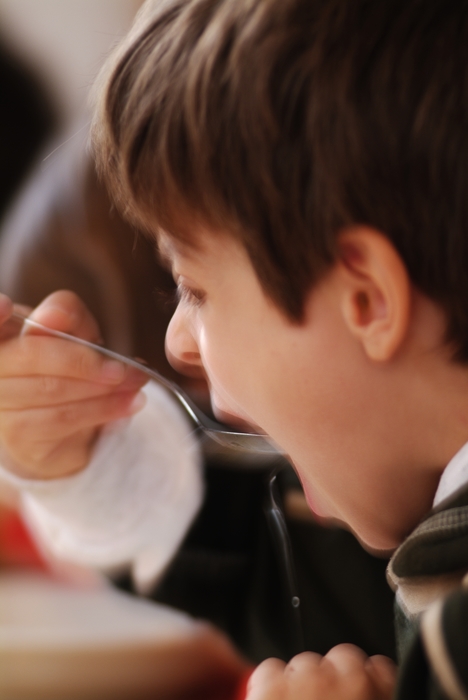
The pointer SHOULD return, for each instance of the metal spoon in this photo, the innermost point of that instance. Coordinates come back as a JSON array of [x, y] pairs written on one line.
[[253, 443]]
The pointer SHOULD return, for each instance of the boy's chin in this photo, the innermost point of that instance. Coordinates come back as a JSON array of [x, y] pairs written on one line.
[[379, 546]]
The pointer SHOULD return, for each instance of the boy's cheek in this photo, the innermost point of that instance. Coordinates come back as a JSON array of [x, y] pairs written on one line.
[[227, 414], [231, 419]]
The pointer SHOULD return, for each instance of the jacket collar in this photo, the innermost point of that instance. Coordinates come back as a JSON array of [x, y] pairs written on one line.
[[439, 544]]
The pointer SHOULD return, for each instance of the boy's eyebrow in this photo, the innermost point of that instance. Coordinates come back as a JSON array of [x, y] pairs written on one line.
[[165, 252], [170, 247]]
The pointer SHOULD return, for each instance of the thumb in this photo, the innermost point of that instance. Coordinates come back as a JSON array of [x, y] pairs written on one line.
[[64, 311], [6, 308], [9, 326]]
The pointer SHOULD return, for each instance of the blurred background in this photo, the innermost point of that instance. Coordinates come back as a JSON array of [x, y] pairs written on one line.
[[64, 41], [50, 52]]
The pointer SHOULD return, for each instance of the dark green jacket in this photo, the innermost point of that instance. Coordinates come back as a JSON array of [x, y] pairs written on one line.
[[230, 570], [429, 574]]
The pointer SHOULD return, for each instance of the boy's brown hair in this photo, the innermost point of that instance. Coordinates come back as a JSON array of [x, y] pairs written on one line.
[[284, 121]]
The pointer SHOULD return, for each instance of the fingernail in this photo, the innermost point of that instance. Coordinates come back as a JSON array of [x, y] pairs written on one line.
[[55, 317], [138, 402], [5, 305], [113, 371]]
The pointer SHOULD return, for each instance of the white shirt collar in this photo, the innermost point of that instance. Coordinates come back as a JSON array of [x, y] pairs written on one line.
[[454, 476]]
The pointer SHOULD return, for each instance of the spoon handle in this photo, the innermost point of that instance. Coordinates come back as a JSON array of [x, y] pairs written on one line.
[[245, 442]]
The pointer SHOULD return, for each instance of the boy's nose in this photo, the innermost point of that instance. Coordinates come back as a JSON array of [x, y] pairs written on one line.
[[181, 347]]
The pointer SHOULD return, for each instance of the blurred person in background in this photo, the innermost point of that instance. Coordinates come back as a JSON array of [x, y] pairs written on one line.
[[27, 119]]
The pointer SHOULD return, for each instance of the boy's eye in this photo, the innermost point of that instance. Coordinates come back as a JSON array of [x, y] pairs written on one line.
[[187, 295]]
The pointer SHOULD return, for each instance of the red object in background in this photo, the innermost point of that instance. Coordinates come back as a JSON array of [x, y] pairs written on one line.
[[241, 691], [16, 545], [227, 688], [17, 549]]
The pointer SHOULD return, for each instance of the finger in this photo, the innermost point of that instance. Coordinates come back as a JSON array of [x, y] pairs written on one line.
[[346, 658], [41, 391], [267, 681], [41, 355], [383, 671], [10, 326], [22, 309], [347, 663], [6, 308], [7, 328], [44, 426], [305, 678], [64, 311], [303, 663]]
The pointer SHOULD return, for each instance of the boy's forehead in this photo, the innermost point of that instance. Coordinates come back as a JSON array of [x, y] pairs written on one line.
[[172, 248], [202, 248]]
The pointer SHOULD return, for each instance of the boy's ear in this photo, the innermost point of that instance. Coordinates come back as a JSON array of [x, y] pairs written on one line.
[[376, 291]]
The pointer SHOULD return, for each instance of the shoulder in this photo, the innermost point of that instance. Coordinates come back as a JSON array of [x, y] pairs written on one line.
[[434, 665]]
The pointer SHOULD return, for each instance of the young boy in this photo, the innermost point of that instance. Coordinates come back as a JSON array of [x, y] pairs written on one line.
[[302, 165]]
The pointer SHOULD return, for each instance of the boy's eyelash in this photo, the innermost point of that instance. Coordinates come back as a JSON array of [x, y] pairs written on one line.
[[189, 296]]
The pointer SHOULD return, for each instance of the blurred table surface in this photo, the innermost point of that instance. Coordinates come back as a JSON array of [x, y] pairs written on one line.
[[60, 641]]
